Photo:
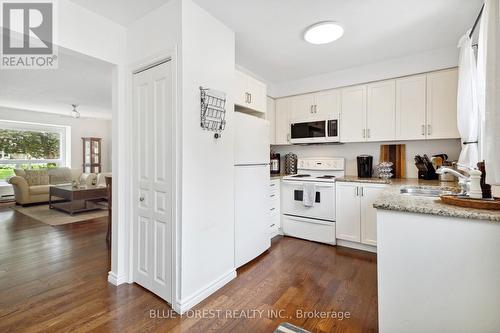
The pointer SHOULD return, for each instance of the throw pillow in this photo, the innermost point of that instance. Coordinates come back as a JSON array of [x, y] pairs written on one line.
[[37, 177]]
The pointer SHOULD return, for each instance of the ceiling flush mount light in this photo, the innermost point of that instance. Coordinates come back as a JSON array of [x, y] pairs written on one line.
[[323, 32], [74, 112]]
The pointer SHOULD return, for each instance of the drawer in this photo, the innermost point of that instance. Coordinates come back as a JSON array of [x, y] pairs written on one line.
[[275, 190]]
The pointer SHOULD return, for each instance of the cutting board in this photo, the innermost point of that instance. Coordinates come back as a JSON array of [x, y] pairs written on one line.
[[397, 155]]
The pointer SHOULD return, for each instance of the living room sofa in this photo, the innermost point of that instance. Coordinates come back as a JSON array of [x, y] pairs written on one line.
[[33, 186]]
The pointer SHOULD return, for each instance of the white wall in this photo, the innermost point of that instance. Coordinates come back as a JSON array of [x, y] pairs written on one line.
[[100, 128], [205, 224], [208, 49], [350, 150], [154, 33], [88, 33], [413, 64]]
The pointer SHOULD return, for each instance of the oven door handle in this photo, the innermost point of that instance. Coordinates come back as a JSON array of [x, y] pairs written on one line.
[[308, 220]]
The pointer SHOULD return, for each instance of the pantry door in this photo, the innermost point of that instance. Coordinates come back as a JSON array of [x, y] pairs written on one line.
[[153, 155]]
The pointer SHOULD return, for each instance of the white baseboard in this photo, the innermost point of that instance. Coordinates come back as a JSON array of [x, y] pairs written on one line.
[[184, 305], [115, 279], [357, 246]]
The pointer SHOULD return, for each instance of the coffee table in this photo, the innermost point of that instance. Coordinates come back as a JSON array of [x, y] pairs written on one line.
[[77, 199]]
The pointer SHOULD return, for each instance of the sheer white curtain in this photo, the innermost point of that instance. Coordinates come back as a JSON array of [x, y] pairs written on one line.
[[467, 104], [488, 85]]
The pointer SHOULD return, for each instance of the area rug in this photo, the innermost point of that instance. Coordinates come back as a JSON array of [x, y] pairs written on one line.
[[43, 214]]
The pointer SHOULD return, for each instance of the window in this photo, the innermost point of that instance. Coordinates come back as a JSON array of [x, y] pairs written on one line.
[[31, 146]]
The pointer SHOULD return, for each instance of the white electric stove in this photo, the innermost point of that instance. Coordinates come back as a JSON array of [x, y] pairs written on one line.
[[316, 222]]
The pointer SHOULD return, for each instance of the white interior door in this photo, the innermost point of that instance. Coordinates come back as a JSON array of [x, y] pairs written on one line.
[[152, 221]]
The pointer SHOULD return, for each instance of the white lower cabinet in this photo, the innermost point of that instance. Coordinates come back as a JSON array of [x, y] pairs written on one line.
[[274, 208], [356, 217]]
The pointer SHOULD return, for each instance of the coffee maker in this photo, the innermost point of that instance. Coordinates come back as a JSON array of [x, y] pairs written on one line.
[[365, 166]]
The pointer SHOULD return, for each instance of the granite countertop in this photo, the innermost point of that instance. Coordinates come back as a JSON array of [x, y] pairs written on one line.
[[393, 200], [396, 181], [277, 176]]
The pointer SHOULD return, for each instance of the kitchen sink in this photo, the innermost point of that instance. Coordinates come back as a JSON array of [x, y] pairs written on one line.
[[425, 192]]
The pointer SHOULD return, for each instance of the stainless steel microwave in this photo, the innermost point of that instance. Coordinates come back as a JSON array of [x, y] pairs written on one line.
[[315, 130]]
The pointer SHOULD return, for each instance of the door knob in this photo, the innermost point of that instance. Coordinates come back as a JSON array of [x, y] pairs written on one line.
[[141, 199]]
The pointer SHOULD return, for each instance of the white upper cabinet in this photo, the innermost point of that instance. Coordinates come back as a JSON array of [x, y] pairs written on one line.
[[353, 117], [241, 94], [250, 93], [283, 121], [442, 104], [320, 105], [410, 107], [271, 117], [416, 107], [327, 103], [301, 107], [381, 111]]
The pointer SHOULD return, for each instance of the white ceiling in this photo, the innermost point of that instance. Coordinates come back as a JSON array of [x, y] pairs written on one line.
[[269, 39], [269, 32], [122, 12], [79, 80]]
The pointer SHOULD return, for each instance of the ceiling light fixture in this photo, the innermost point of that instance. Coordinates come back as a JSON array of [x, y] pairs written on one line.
[[323, 32], [74, 112]]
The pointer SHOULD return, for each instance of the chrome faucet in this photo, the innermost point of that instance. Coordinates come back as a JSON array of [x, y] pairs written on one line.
[[463, 180]]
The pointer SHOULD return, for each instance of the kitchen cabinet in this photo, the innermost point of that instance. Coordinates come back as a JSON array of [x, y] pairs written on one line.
[[442, 89], [327, 103], [356, 217], [250, 93], [381, 111], [348, 225], [271, 117], [318, 105], [411, 106], [274, 208], [416, 107], [369, 195], [353, 116], [282, 121]]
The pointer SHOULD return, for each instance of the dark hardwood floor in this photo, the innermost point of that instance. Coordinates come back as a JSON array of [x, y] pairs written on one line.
[[55, 279]]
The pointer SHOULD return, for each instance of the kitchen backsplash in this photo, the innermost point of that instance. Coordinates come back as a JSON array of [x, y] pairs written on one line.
[[350, 150]]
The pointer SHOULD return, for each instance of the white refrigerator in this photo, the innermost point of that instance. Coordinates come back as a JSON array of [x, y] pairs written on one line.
[[251, 187]]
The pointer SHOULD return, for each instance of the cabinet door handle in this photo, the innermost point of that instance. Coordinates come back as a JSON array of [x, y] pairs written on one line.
[[357, 191], [273, 208], [312, 109], [315, 109], [368, 133], [141, 199], [429, 129], [272, 225], [364, 134], [423, 130], [288, 137], [362, 191], [250, 98]]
